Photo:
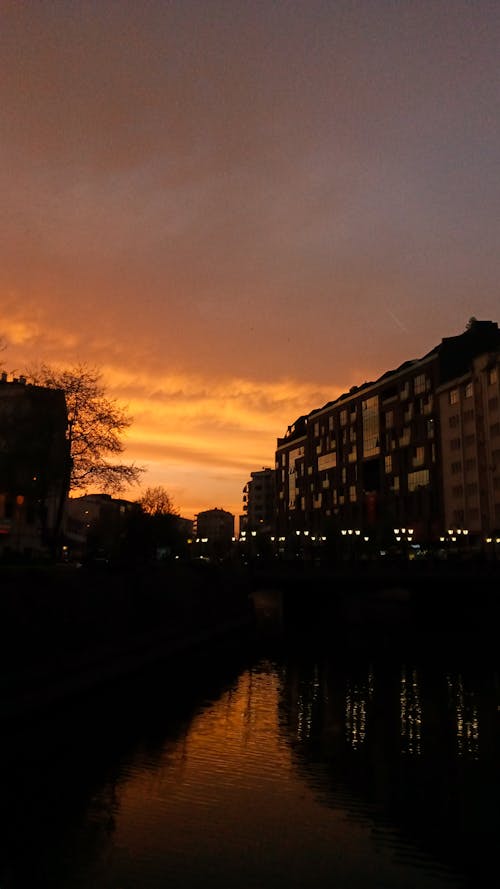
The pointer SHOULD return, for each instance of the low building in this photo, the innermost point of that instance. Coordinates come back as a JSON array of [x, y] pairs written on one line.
[[34, 466], [96, 523], [214, 531]]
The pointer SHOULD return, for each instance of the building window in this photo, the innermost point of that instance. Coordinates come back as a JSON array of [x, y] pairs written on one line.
[[419, 456], [495, 430], [492, 376], [395, 483], [430, 428], [453, 421], [352, 493], [468, 415], [404, 438], [470, 464], [389, 419], [428, 405], [453, 396], [469, 390], [418, 479], [469, 440], [493, 403], [457, 491], [343, 418], [371, 430], [388, 463], [330, 423], [404, 391], [456, 467], [471, 489], [419, 384], [455, 444], [408, 414]]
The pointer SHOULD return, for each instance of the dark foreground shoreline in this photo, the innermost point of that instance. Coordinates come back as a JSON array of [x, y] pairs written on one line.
[[65, 631]]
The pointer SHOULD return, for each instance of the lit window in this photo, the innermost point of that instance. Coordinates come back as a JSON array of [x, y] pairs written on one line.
[[453, 396], [492, 375], [352, 493], [419, 456], [371, 430], [469, 390], [419, 384], [418, 479], [388, 463]]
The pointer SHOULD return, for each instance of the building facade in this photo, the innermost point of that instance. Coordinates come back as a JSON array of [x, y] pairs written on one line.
[[371, 462], [470, 445], [34, 466], [96, 523], [214, 533], [259, 502]]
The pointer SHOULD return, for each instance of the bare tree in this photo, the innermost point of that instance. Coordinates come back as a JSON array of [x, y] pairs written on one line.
[[156, 501], [96, 425]]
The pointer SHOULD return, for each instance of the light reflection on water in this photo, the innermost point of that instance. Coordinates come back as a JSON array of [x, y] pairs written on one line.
[[303, 769]]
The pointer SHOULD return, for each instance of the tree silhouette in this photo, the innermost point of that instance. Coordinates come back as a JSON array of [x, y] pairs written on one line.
[[96, 425], [156, 501]]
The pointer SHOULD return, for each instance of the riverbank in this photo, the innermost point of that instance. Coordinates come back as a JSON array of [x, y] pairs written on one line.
[[380, 602], [64, 631]]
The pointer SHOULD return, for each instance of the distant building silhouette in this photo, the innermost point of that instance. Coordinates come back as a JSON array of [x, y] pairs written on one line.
[[259, 502], [99, 524], [96, 523], [215, 528], [417, 450], [34, 466]]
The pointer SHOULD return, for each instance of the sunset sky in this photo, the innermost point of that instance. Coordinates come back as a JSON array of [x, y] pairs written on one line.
[[238, 210]]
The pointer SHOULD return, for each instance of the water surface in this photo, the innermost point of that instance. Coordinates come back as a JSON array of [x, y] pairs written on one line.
[[306, 766]]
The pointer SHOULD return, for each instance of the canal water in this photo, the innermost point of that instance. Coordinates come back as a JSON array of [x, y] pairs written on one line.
[[301, 762]]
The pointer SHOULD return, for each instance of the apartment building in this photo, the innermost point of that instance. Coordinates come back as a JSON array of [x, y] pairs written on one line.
[[259, 502], [469, 408], [371, 461], [34, 466]]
